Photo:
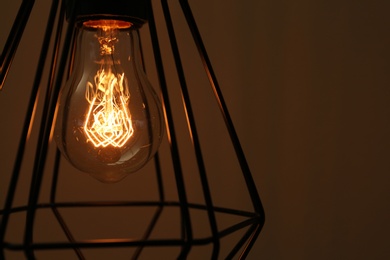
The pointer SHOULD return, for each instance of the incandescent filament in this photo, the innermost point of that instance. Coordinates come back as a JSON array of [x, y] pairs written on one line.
[[108, 120]]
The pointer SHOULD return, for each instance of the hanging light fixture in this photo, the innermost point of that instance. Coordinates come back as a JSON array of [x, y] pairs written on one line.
[[108, 121]]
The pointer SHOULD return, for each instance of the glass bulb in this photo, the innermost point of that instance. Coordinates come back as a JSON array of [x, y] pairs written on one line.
[[109, 120]]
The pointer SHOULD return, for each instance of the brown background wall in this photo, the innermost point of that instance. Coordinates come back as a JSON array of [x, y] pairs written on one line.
[[307, 83]]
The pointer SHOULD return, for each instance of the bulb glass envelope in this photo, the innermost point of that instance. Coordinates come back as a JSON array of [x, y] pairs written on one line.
[[109, 121]]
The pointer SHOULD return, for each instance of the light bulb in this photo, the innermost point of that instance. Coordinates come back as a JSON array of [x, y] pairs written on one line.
[[109, 120]]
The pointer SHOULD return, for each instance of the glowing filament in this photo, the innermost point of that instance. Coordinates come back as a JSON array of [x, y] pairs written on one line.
[[108, 121]]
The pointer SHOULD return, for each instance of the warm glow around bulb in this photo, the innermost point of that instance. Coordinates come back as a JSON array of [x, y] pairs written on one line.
[[106, 25], [108, 120]]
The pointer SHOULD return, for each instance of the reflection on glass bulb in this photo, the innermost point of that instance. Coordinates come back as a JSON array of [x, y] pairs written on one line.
[[109, 120]]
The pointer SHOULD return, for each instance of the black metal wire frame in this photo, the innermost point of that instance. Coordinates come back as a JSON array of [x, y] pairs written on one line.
[[14, 37], [253, 222]]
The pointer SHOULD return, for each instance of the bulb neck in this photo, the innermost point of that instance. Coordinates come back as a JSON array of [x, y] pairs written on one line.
[[105, 43], [134, 11]]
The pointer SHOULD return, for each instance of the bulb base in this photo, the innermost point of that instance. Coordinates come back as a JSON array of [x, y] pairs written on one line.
[[134, 11]]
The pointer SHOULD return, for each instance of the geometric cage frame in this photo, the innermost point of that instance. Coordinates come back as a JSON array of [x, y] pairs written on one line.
[[251, 222]]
